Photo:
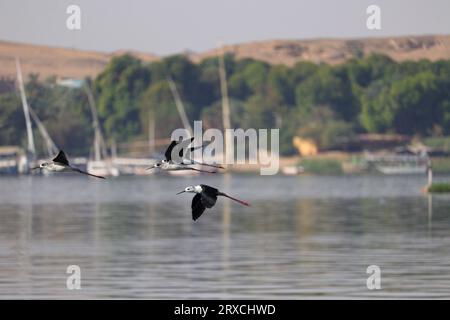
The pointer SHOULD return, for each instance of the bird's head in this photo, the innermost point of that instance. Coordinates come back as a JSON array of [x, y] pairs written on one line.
[[156, 165], [41, 166], [189, 189]]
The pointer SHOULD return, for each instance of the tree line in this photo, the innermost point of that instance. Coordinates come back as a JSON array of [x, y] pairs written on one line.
[[328, 104]]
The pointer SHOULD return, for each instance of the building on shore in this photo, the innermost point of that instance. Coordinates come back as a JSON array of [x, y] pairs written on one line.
[[12, 160]]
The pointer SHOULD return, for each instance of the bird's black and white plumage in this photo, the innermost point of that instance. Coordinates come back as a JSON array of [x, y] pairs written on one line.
[[206, 197], [180, 147], [61, 164], [175, 158]]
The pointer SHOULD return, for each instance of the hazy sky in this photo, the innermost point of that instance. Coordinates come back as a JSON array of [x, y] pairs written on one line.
[[170, 26]]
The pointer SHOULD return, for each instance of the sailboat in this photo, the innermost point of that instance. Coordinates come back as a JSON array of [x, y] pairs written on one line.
[[30, 114], [138, 166], [51, 147], [184, 119], [29, 160], [12, 159], [101, 165]]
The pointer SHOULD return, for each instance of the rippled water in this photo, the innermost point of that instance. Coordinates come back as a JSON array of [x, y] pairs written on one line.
[[303, 237]]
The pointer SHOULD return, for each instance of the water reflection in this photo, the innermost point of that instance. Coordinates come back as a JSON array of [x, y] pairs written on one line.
[[300, 239], [430, 213], [226, 221]]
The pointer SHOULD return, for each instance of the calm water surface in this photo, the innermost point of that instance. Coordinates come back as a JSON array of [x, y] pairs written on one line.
[[304, 237]]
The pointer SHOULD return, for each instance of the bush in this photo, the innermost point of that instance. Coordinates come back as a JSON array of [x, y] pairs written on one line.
[[439, 188], [321, 166]]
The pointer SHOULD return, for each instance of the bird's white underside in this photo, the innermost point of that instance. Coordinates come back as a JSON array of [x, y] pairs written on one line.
[[172, 166], [57, 168]]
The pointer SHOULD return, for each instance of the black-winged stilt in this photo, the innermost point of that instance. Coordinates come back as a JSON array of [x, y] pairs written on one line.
[[168, 164], [61, 164], [206, 197]]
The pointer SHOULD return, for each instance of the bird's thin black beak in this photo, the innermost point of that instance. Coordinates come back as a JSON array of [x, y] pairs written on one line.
[[149, 168], [181, 192], [34, 168]]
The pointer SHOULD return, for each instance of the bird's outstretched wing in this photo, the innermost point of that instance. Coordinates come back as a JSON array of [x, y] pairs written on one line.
[[168, 153], [176, 150], [209, 195], [61, 158], [208, 200], [197, 207], [209, 190]]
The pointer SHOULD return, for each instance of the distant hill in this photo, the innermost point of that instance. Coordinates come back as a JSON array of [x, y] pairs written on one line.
[[72, 63], [335, 51], [61, 62]]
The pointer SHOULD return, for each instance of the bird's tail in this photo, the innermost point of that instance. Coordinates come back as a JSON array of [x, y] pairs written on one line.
[[237, 200]]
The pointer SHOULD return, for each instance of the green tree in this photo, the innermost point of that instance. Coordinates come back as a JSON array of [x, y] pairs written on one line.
[[118, 89], [327, 87]]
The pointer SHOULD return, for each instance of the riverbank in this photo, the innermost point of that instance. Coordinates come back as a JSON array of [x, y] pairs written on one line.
[[334, 162], [439, 188]]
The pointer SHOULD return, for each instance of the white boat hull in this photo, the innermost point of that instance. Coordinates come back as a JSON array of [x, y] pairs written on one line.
[[101, 168], [402, 170]]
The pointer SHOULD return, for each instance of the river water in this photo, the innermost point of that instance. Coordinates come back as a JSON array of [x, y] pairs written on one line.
[[303, 237]]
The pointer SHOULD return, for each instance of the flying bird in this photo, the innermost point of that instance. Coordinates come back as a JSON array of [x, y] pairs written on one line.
[[61, 164], [169, 164], [206, 197]]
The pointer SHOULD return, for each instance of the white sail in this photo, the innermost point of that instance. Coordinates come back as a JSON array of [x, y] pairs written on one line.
[[52, 149], [100, 165], [30, 148]]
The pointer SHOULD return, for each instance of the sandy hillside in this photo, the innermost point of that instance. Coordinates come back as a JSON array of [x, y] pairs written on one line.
[[64, 62], [335, 51]]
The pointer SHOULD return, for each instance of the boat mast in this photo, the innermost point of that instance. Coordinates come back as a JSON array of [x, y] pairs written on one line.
[[31, 150], [151, 131], [225, 106], [180, 106], [98, 138]]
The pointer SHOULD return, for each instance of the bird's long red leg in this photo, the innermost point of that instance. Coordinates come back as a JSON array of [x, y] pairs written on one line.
[[89, 174], [93, 175], [237, 200], [211, 165], [201, 170]]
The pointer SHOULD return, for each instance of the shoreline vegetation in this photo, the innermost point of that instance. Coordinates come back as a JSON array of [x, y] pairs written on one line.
[[368, 103], [336, 163], [439, 188]]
